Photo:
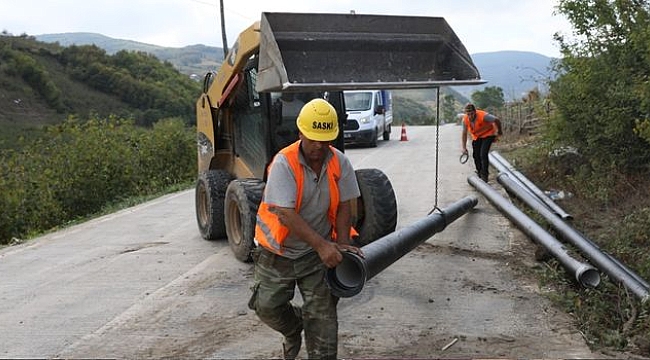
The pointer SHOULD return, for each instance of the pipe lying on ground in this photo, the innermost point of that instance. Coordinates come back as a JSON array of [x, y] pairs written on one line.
[[501, 164], [585, 274], [348, 278], [614, 269]]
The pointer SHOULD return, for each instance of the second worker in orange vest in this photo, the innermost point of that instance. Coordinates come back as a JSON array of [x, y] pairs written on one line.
[[484, 129], [303, 224]]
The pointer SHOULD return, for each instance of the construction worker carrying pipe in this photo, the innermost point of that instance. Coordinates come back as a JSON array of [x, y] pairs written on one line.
[[303, 225], [484, 128]]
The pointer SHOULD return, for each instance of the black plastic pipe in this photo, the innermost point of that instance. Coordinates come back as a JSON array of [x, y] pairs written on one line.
[[614, 269], [348, 278], [585, 274], [501, 164]]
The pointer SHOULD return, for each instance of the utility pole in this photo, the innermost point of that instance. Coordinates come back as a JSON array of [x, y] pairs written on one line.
[[224, 38]]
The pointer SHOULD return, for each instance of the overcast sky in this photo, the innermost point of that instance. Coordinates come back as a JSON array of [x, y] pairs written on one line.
[[482, 25]]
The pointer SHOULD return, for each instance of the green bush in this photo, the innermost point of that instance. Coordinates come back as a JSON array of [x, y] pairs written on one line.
[[602, 90], [80, 167]]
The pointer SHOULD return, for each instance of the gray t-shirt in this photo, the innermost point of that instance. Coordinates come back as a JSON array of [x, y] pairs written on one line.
[[489, 117], [281, 191]]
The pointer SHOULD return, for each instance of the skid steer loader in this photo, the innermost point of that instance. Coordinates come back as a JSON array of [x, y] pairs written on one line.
[[247, 110]]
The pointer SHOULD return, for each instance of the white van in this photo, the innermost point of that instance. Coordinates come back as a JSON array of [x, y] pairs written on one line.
[[370, 116]]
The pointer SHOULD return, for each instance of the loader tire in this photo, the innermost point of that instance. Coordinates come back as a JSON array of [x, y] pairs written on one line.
[[210, 193], [243, 197], [376, 213]]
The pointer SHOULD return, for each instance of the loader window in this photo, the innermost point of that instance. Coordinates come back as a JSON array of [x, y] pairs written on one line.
[[378, 99], [255, 96], [247, 96], [286, 108], [251, 127]]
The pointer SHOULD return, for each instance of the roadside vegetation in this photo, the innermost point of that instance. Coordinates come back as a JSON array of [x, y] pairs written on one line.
[[590, 138], [79, 168]]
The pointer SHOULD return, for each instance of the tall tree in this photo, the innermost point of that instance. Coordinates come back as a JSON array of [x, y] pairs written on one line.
[[489, 98], [602, 91]]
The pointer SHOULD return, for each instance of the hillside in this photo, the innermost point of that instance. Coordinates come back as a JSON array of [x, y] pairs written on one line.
[[193, 59], [42, 83], [516, 72]]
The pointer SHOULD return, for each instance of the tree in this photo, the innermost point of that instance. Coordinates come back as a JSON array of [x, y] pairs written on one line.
[[602, 92], [490, 98]]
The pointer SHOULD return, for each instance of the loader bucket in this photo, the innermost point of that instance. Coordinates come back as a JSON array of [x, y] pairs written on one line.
[[306, 52]]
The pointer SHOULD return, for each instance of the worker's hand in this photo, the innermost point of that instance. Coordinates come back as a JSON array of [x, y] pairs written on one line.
[[351, 249], [464, 157], [329, 254]]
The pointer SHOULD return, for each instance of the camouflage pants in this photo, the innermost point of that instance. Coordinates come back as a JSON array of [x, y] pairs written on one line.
[[276, 278]]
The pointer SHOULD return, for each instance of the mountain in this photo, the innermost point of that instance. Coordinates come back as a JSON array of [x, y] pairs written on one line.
[[516, 72], [189, 60]]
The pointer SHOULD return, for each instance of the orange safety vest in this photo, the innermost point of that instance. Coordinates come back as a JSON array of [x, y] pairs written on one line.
[[269, 231], [480, 128]]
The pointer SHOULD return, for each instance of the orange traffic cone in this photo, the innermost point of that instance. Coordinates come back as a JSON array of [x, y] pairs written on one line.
[[403, 138]]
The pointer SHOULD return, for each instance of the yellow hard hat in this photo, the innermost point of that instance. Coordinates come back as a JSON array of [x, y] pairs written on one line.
[[317, 121]]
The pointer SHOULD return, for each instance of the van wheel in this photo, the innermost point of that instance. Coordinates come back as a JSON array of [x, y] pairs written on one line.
[[243, 198], [376, 210], [210, 193], [373, 139], [387, 133]]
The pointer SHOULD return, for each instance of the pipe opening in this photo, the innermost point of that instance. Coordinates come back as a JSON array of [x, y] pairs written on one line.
[[348, 277], [588, 277]]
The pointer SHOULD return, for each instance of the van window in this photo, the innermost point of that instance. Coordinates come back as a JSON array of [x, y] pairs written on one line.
[[358, 101]]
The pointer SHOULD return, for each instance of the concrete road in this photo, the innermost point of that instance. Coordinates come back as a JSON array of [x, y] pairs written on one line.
[[142, 283]]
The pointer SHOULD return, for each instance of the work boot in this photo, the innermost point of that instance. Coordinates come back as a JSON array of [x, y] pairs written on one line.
[[483, 177], [291, 347], [292, 343]]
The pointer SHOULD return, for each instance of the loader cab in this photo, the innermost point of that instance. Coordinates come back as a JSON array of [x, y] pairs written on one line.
[[266, 121]]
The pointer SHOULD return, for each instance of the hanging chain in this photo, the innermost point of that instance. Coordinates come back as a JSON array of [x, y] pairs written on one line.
[[435, 205]]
